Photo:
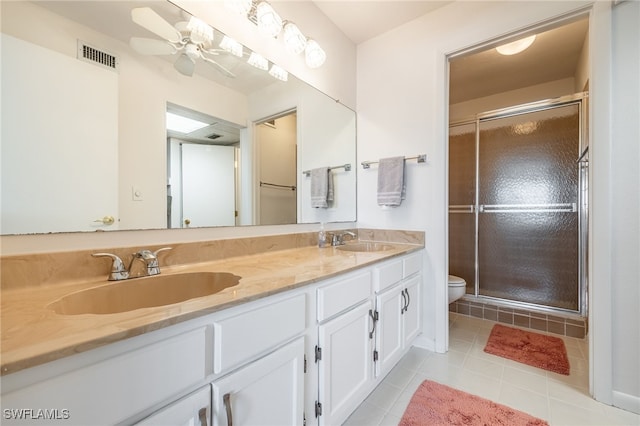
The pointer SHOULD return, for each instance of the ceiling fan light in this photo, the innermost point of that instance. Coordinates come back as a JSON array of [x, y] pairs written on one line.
[[294, 41], [314, 56], [185, 65], [516, 46], [269, 22], [199, 31], [231, 46], [241, 7], [258, 61], [278, 72]]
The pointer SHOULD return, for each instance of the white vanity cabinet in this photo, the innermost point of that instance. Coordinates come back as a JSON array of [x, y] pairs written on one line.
[[192, 410], [397, 310], [344, 351], [269, 391]]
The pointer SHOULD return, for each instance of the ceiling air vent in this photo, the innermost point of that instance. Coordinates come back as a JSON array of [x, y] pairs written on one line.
[[96, 56], [213, 136]]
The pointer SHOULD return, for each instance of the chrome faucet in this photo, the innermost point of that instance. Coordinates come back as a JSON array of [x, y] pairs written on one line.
[[149, 258], [338, 237]]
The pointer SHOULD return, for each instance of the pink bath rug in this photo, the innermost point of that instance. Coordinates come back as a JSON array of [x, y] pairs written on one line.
[[535, 349], [437, 404]]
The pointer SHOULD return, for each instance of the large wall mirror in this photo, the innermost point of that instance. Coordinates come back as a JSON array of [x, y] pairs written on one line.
[[88, 140]]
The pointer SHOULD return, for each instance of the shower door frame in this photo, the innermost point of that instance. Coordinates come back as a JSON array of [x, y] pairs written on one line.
[[581, 205]]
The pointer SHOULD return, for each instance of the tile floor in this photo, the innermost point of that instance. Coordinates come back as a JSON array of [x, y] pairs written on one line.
[[558, 399]]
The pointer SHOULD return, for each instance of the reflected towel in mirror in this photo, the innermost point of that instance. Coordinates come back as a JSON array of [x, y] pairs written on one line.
[[391, 182], [321, 187]]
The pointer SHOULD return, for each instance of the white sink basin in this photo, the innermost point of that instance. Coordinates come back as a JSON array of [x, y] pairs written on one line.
[[146, 292]]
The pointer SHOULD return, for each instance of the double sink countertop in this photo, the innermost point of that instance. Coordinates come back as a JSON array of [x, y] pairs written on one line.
[[33, 333]]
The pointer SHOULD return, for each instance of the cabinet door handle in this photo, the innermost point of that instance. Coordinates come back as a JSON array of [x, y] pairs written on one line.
[[408, 300], [374, 318], [404, 303], [202, 415], [226, 398]]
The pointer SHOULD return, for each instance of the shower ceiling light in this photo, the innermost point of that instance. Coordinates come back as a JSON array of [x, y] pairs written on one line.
[[294, 40], [516, 46]]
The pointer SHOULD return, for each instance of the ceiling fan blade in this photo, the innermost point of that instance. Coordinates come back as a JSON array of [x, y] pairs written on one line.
[[150, 46], [147, 18], [185, 65], [220, 68]]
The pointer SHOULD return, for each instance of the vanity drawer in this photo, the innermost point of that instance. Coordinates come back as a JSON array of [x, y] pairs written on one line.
[[242, 337], [113, 390], [343, 294], [412, 264], [388, 274]]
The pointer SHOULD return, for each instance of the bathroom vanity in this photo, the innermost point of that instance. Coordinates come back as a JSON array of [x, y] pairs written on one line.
[[303, 338]]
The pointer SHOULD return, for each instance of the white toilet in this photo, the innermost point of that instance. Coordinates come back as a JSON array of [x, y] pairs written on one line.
[[457, 288]]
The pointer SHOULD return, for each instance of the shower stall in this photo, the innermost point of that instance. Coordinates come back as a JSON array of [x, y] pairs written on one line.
[[517, 206]]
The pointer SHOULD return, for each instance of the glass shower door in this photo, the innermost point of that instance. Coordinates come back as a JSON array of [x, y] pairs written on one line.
[[527, 207]]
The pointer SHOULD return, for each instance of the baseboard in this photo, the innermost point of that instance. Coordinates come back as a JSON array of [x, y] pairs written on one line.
[[425, 343], [626, 402]]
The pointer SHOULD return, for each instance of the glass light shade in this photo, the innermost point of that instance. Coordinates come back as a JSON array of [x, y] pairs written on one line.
[[199, 31], [258, 61], [231, 46], [294, 41], [241, 7], [278, 73], [516, 46], [314, 56], [269, 22]]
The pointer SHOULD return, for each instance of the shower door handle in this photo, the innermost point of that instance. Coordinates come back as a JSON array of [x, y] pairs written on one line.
[[461, 208], [528, 208]]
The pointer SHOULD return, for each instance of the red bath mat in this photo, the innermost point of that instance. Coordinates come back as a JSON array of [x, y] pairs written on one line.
[[437, 404], [535, 349]]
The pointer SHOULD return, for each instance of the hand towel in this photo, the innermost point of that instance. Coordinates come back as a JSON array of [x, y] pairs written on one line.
[[321, 187], [391, 184]]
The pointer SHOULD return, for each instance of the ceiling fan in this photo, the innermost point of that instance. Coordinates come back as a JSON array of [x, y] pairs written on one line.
[[192, 39]]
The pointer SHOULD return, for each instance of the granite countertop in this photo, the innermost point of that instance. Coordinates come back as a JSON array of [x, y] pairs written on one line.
[[33, 334]]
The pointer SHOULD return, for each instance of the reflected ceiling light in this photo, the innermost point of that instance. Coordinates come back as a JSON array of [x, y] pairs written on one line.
[[314, 56], [294, 40], [241, 7], [525, 128], [179, 123], [269, 22], [278, 72], [199, 31], [258, 61], [231, 46], [516, 46]]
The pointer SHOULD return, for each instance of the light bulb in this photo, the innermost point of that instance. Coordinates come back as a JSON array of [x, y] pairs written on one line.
[[294, 41], [231, 46], [278, 72], [314, 56], [258, 61], [269, 22]]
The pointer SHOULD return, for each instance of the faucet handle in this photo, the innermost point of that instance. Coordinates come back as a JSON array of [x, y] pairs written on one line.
[[153, 267], [155, 253], [118, 271]]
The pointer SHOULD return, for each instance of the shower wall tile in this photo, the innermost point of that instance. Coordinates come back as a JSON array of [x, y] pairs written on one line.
[[571, 327]]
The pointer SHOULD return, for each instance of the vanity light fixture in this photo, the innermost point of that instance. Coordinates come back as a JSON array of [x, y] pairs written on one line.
[[262, 14], [269, 22], [294, 41], [314, 56], [258, 61], [231, 46], [278, 72], [516, 46]]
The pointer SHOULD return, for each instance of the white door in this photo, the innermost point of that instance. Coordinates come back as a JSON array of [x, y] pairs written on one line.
[[192, 410], [267, 392], [389, 338], [208, 185], [411, 320], [345, 367], [57, 175]]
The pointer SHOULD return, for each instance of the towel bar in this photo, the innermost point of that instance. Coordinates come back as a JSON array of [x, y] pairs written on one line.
[[422, 158], [346, 167]]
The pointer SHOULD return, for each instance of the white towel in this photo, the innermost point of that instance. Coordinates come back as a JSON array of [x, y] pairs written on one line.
[[321, 187], [391, 182]]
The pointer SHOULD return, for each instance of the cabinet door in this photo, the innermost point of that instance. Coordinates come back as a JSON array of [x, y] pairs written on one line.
[[389, 338], [411, 318], [192, 410], [266, 392], [345, 369]]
